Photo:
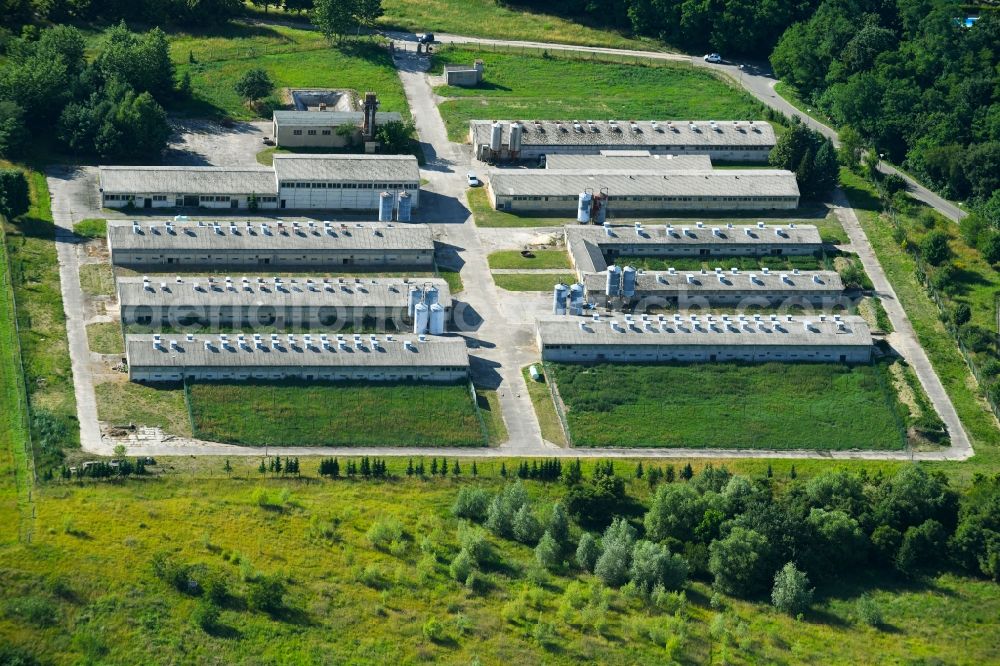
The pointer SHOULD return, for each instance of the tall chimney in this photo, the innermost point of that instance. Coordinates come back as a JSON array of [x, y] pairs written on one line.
[[371, 106]]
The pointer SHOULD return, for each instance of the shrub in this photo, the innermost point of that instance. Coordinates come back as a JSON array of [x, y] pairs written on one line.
[[921, 547], [548, 552], [526, 527], [934, 247], [653, 565], [477, 582], [265, 593], [587, 552], [433, 630], [461, 566], [791, 593], [869, 611], [206, 616], [473, 540], [739, 562], [962, 314], [260, 497], [384, 532], [175, 573], [558, 525], [504, 507], [471, 503], [612, 566], [34, 610]]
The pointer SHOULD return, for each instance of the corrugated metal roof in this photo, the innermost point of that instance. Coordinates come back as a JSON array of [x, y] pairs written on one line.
[[214, 291], [726, 281], [663, 133], [396, 168], [434, 352], [692, 234], [612, 160], [720, 183], [710, 330], [330, 118], [306, 236], [187, 180]]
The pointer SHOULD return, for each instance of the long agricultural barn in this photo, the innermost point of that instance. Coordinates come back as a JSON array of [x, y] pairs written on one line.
[[337, 357], [324, 129], [559, 191], [691, 289], [326, 182], [660, 339], [309, 245], [373, 303], [731, 140], [591, 248], [638, 160]]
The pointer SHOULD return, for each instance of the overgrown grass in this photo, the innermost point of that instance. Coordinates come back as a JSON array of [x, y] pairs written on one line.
[[545, 409], [454, 280], [293, 58], [541, 259], [97, 279], [486, 216], [106, 338], [346, 602], [822, 406], [531, 281], [158, 406], [42, 325], [940, 347], [485, 18], [91, 228], [489, 407], [348, 414], [526, 87]]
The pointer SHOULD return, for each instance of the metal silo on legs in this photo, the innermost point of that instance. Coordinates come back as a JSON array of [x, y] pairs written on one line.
[[496, 140], [516, 129], [559, 294], [405, 207], [385, 205], [421, 315], [576, 298], [437, 319], [583, 209]]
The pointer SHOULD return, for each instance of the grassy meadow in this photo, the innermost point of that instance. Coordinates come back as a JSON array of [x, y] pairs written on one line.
[[528, 86], [486, 216], [543, 259], [348, 414], [532, 281], [106, 338], [822, 406], [293, 57], [97, 279], [84, 590], [545, 409]]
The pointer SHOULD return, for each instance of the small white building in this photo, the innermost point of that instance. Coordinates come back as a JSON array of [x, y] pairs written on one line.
[[710, 338], [309, 357], [324, 129]]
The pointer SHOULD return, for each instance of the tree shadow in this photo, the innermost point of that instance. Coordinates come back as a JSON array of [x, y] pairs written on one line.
[[224, 631]]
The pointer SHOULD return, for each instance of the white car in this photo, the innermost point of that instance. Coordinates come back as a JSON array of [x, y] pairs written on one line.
[[473, 180], [713, 57]]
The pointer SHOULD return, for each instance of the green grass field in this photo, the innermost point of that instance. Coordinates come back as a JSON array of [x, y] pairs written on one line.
[[42, 324], [97, 279], [486, 216], [106, 338], [532, 281], [545, 409], [821, 406], [91, 228], [335, 414], [542, 259], [121, 403], [526, 87], [84, 591], [293, 58]]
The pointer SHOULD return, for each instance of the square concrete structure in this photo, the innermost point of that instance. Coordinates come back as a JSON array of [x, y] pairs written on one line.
[[311, 357], [329, 182], [464, 75], [323, 129], [591, 248], [731, 140], [690, 289], [694, 338], [337, 246], [373, 303]]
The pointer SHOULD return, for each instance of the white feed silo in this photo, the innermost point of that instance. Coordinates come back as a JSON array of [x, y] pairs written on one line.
[[436, 326]]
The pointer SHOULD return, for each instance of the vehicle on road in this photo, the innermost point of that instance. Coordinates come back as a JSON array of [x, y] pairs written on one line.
[[473, 179], [426, 38], [713, 57]]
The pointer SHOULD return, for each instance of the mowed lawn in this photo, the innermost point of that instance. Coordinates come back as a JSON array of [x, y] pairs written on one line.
[[293, 58], [728, 405], [529, 87], [335, 414]]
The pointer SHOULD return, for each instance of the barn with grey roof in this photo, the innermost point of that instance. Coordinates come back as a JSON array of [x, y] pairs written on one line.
[[298, 245], [731, 140], [708, 338], [309, 357]]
